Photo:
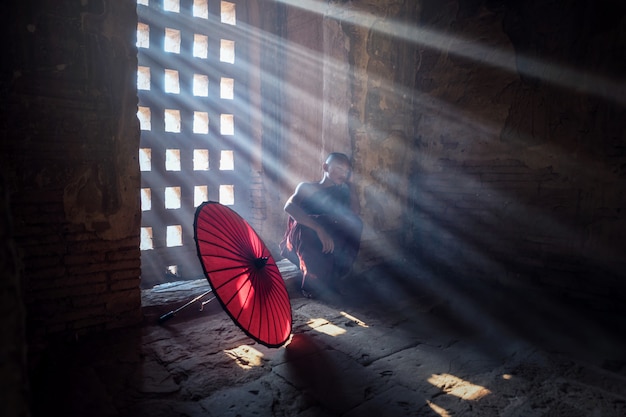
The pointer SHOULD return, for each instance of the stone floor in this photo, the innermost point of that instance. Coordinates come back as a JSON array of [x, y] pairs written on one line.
[[386, 348]]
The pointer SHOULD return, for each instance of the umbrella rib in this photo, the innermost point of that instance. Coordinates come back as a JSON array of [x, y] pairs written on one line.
[[278, 313], [231, 279], [271, 292], [254, 296], [229, 248], [235, 249], [231, 231]]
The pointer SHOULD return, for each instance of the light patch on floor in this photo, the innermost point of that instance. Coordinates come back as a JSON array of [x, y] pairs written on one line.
[[458, 387], [354, 319], [324, 326], [246, 356]]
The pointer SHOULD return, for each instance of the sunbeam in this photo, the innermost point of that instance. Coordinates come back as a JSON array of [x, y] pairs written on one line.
[[541, 69]]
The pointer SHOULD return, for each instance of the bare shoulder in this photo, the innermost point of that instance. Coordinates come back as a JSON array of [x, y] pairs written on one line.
[[304, 190]]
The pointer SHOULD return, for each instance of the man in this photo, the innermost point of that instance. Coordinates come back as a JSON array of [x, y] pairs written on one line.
[[324, 231]]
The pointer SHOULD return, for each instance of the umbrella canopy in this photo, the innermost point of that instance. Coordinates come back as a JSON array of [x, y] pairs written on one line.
[[243, 274]]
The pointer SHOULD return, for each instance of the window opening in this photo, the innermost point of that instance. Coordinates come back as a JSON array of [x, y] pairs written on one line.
[[172, 271], [227, 161], [172, 83], [146, 239], [227, 124], [174, 236], [171, 6], [146, 199], [143, 78], [227, 13], [144, 115], [143, 35], [172, 41], [172, 120], [200, 9], [227, 194], [227, 88], [172, 198], [227, 51], [200, 194], [200, 46], [200, 85], [187, 71], [200, 122], [200, 159], [172, 159], [145, 159]]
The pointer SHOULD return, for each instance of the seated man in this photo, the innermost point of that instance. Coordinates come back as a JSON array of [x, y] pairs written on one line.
[[324, 231]]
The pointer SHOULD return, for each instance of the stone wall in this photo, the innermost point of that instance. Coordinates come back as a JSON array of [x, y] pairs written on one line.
[[14, 386], [69, 149], [520, 147], [488, 137], [348, 87]]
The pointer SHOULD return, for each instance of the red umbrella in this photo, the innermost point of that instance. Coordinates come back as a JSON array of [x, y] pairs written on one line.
[[243, 274]]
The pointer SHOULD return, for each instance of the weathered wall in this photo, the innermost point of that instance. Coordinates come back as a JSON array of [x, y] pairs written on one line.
[[381, 122], [488, 138], [520, 146], [14, 386], [69, 148], [348, 87]]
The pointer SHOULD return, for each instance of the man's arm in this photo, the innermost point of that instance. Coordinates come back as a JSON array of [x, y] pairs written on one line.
[[294, 209]]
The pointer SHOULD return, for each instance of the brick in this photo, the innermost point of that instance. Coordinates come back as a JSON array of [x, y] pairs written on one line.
[[125, 318], [84, 259], [79, 279], [84, 269], [132, 241], [79, 237], [125, 274], [68, 292], [124, 254], [25, 231], [89, 246], [90, 325], [42, 274], [44, 250], [45, 262], [131, 264], [86, 301], [95, 263]]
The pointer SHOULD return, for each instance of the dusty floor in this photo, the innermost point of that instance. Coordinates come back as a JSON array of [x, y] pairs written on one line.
[[384, 349]]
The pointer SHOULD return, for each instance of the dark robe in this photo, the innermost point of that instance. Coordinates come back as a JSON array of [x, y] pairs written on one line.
[[330, 206]]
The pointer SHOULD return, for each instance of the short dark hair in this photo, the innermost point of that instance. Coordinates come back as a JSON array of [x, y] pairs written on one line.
[[338, 156]]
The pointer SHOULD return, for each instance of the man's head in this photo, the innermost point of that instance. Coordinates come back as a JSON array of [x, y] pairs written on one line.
[[337, 168]]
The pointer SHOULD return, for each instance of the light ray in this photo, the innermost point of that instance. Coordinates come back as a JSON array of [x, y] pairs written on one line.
[[541, 69]]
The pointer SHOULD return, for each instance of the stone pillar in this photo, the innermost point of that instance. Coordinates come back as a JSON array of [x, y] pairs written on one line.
[[69, 149], [14, 389]]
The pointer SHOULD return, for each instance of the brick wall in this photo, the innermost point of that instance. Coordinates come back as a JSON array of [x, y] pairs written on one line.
[[14, 389], [69, 150]]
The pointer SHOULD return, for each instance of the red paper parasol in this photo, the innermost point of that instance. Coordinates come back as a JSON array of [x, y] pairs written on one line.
[[243, 274]]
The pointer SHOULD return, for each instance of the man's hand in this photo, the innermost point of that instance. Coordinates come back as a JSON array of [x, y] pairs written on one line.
[[328, 245]]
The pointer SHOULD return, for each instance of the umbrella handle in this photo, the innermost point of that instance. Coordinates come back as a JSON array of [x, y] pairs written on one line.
[[165, 317]]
